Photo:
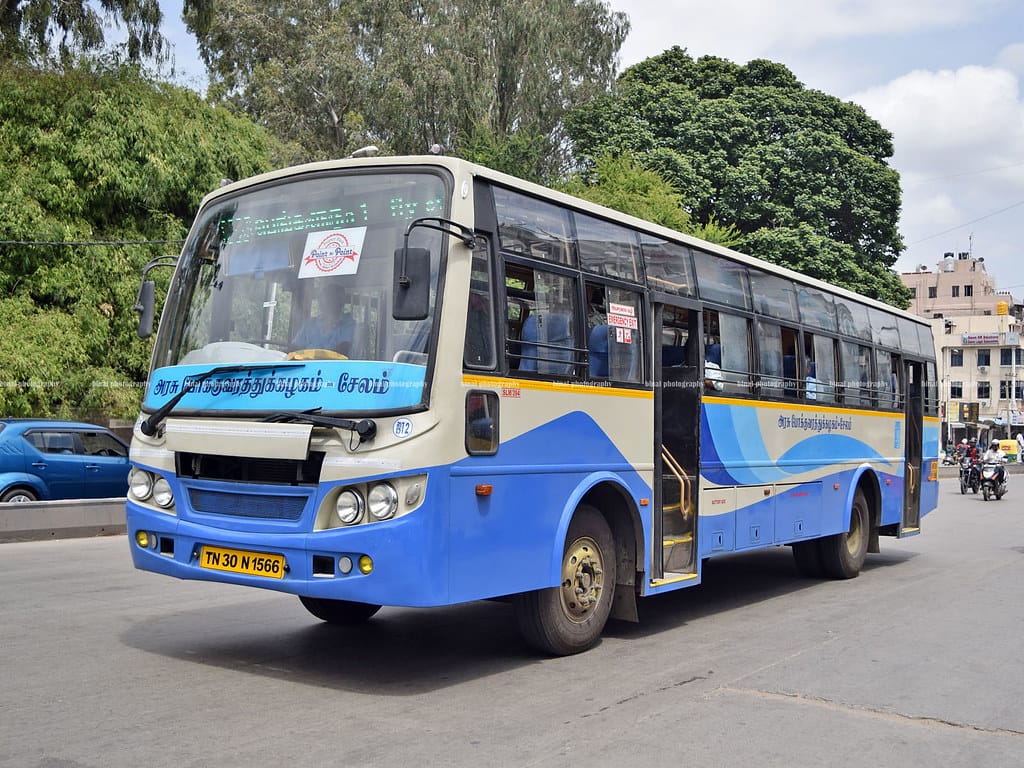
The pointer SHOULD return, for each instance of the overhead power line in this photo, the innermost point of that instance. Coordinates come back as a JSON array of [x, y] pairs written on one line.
[[968, 223]]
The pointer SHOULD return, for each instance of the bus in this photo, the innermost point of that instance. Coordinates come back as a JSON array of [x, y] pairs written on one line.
[[535, 399]]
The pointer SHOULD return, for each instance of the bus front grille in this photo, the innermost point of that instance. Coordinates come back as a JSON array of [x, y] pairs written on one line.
[[252, 505]]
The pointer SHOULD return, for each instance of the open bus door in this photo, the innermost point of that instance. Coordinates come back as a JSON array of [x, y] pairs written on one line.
[[913, 427], [677, 397]]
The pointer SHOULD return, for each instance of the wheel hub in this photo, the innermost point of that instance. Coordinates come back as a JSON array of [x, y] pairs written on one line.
[[582, 579]]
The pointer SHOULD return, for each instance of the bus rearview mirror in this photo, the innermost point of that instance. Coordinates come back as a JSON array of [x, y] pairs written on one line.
[[144, 306], [411, 296]]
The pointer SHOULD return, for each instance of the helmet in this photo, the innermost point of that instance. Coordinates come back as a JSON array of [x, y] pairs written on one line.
[[974, 439], [995, 445], [964, 441]]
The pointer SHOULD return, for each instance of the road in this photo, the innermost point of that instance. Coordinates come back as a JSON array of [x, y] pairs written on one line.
[[914, 663]]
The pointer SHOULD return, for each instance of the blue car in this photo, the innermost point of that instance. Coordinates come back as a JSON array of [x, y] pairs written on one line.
[[42, 459]]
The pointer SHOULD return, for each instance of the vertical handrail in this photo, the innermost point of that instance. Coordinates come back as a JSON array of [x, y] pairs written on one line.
[[684, 480]]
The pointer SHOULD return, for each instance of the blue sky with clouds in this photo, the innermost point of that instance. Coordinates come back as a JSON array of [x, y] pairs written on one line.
[[944, 76]]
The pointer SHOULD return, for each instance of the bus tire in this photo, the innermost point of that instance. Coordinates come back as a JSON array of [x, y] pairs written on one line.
[[344, 613], [569, 618], [807, 556], [843, 554]]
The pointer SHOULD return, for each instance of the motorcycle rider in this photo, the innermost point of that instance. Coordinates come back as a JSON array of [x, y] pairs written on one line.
[[995, 456]]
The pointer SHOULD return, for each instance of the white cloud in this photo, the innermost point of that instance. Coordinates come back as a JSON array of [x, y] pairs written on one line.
[[950, 125], [740, 30], [1011, 58], [959, 141]]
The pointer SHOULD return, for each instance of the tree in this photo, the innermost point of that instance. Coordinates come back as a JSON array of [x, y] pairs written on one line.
[[621, 183], [90, 157], [472, 75], [802, 175]]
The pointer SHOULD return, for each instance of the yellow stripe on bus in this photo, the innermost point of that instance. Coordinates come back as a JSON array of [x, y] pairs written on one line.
[[553, 386]]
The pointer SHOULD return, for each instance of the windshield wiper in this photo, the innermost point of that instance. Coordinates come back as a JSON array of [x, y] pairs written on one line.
[[365, 428], [149, 426]]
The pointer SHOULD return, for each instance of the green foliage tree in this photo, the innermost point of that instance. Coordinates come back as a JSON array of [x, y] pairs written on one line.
[[800, 174], [92, 156], [620, 182], [488, 79]]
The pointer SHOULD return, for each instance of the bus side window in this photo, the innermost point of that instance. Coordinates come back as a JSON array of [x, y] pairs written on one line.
[[614, 338], [820, 371], [778, 372], [885, 380], [727, 349], [856, 362], [547, 342], [479, 347]]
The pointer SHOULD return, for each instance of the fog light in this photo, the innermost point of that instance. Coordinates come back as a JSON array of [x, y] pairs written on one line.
[[345, 564], [142, 539], [365, 564]]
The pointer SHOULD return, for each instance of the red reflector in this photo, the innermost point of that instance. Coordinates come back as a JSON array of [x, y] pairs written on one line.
[[484, 489]]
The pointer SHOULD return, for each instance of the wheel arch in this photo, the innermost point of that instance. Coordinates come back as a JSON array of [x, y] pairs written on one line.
[[866, 481], [612, 499], [26, 482]]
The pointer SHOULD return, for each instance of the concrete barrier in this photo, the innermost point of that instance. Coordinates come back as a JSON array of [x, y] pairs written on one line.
[[36, 520]]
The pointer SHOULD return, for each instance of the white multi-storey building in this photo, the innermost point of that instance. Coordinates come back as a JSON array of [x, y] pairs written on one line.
[[978, 350]]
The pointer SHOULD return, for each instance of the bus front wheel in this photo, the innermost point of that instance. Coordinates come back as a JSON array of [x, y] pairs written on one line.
[[341, 612], [843, 555], [569, 618]]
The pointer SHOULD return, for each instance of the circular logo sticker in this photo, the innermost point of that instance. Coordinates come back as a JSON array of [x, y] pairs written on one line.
[[402, 428]]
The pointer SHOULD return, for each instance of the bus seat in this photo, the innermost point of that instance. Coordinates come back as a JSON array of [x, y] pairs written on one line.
[[713, 354], [598, 346], [543, 334], [672, 355], [528, 360], [789, 378]]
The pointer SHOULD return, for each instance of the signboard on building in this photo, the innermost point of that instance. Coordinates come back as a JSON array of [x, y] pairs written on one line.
[[969, 413], [979, 338]]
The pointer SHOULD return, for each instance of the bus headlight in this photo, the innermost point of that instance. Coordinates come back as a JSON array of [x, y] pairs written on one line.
[[349, 507], [140, 484], [162, 493], [382, 501]]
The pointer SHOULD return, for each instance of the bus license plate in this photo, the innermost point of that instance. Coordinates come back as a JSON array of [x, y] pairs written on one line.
[[239, 561]]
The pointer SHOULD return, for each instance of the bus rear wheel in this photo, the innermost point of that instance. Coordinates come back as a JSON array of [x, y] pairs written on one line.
[[569, 618], [843, 555], [343, 613]]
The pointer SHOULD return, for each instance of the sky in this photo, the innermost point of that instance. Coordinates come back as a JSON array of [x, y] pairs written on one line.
[[943, 76]]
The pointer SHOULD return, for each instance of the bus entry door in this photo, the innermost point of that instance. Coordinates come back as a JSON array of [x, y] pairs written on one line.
[[912, 429], [677, 396]]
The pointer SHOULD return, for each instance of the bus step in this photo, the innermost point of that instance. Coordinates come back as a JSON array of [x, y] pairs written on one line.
[[673, 578]]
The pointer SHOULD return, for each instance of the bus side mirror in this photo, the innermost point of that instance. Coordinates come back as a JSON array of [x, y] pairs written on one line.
[[411, 296], [144, 305]]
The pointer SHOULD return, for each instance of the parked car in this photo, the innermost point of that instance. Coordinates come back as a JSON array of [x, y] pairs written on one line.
[[42, 459]]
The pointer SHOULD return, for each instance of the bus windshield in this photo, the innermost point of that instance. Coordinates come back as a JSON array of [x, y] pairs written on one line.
[[302, 270]]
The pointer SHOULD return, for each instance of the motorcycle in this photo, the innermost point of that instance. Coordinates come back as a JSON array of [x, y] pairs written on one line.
[[991, 484], [969, 475]]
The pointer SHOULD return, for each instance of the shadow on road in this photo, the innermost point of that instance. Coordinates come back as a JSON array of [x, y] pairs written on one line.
[[404, 651]]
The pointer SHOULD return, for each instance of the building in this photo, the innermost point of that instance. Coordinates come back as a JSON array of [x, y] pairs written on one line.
[[978, 351]]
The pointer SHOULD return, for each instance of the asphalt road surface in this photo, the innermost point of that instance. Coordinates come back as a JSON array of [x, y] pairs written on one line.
[[915, 663]]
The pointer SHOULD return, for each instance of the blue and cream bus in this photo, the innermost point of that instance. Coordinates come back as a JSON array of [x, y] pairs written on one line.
[[532, 397]]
